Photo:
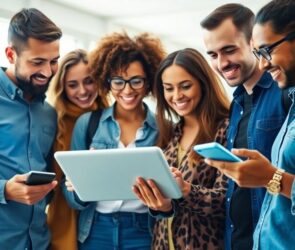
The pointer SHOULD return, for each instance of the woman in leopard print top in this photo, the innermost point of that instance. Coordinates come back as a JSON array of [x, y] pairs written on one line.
[[187, 88]]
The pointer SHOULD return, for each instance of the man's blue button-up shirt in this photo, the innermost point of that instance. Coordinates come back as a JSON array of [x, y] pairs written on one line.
[[27, 131]]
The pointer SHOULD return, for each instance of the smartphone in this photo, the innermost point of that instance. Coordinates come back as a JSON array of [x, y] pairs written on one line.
[[39, 178], [216, 151]]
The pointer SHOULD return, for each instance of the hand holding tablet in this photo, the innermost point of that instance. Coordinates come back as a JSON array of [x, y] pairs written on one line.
[[109, 174]]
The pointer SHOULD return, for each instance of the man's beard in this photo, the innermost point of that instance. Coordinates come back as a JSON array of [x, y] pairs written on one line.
[[29, 88]]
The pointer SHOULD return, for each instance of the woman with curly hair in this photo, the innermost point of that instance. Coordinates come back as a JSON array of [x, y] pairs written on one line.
[[124, 67], [72, 92], [188, 89]]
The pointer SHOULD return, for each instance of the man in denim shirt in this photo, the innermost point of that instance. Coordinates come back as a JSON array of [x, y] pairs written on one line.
[[27, 128], [257, 112], [274, 46]]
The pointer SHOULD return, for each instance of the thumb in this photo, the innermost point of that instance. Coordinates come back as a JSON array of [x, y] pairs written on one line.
[[20, 177], [246, 153]]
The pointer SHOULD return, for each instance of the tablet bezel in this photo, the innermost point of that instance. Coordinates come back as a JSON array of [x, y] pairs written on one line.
[[113, 177]]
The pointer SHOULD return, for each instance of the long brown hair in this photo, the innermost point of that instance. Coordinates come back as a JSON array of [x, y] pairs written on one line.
[[57, 95], [213, 106]]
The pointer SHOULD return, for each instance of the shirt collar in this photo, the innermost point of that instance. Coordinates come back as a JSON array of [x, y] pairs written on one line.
[[292, 93], [149, 119], [264, 82], [11, 89], [8, 86]]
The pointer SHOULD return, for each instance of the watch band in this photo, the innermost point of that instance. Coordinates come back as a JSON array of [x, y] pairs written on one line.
[[274, 185]]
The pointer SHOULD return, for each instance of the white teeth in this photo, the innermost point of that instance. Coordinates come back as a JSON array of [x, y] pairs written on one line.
[[274, 73], [41, 79], [180, 104], [229, 73], [83, 98], [128, 98]]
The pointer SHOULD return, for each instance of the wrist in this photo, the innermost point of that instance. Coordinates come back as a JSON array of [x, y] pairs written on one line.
[[274, 186], [186, 189], [268, 176]]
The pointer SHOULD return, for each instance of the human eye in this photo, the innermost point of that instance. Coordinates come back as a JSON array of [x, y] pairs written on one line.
[[212, 55], [167, 88], [230, 50], [88, 80], [37, 63], [137, 81], [72, 84], [185, 86], [54, 62], [117, 81]]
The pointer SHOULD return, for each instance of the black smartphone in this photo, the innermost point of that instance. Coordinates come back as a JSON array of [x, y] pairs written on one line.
[[39, 178]]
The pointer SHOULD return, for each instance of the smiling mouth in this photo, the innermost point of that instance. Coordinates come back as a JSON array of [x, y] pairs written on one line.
[[85, 99], [275, 72], [230, 72], [41, 80], [128, 98], [180, 105]]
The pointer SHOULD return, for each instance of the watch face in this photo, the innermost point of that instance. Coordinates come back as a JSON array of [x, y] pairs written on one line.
[[274, 187]]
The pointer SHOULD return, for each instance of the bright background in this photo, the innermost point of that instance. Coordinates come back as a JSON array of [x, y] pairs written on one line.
[[176, 22]]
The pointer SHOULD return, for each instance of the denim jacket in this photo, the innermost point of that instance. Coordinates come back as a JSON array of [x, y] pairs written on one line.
[[265, 121], [107, 136], [276, 226]]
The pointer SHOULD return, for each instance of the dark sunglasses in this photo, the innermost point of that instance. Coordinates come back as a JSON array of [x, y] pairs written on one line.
[[266, 51]]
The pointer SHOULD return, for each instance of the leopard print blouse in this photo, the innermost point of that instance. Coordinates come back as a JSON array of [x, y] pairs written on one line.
[[198, 221]]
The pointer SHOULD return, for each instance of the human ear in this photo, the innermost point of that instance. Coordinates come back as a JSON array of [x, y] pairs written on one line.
[[10, 54]]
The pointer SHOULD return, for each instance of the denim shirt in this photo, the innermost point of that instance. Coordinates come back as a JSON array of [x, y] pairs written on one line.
[[27, 132], [265, 121], [107, 136], [276, 225]]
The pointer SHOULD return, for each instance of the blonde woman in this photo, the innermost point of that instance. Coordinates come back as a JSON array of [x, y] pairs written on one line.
[[72, 92]]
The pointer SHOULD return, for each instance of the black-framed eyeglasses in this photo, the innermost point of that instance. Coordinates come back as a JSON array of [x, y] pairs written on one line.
[[118, 83], [266, 51]]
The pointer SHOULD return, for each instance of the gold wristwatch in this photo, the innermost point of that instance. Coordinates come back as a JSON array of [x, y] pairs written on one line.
[[274, 185]]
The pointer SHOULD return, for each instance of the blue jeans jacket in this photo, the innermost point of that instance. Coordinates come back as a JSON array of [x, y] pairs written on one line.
[[276, 225], [265, 121], [107, 136]]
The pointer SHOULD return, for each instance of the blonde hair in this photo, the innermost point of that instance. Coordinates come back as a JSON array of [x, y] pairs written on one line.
[[57, 95]]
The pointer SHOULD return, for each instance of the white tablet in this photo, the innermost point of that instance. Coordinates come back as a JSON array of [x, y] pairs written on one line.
[[108, 174]]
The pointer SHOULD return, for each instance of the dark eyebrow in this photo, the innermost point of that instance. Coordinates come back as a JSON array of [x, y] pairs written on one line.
[[222, 49], [43, 59], [184, 81]]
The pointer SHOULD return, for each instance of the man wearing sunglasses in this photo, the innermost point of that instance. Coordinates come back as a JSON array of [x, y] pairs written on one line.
[[274, 47], [257, 112]]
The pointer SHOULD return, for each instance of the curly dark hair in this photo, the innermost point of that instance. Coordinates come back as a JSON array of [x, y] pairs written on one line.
[[116, 51]]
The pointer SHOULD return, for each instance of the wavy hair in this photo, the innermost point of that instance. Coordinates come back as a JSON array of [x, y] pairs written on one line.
[[212, 108], [57, 95]]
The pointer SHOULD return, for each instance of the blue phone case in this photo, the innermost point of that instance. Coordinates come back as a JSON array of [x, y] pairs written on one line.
[[216, 151]]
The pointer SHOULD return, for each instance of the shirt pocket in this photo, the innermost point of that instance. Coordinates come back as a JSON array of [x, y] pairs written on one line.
[[266, 131], [267, 125]]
